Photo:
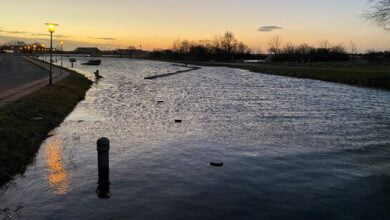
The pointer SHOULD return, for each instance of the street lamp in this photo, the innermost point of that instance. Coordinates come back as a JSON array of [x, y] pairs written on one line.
[[62, 51], [51, 27]]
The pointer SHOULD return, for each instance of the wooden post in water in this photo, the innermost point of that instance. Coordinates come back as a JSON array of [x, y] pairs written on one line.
[[103, 147]]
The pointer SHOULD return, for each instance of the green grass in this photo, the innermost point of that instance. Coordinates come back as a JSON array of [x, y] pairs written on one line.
[[361, 75], [21, 137]]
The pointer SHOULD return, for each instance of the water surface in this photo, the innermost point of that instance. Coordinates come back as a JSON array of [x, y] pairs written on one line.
[[292, 148]]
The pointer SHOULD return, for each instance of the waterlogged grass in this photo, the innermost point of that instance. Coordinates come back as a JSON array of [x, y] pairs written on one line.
[[363, 75], [25, 123], [369, 76]]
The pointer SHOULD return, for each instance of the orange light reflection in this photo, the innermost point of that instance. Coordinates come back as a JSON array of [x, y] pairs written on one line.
[[59, 178]]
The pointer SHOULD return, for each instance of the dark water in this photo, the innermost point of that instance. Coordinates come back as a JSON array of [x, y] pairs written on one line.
[[292, 149]]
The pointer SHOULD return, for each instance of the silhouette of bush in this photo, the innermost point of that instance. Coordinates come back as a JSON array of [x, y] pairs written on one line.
[[309, 54], [376, 57]]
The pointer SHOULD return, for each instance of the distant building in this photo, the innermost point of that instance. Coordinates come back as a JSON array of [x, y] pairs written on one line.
[[132, 53], [87, 50]]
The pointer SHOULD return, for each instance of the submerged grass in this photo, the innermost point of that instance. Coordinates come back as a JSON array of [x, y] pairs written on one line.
[[25, 123], [368, 75]]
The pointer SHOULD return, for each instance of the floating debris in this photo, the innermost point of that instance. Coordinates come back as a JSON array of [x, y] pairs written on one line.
[[178, 121], [36, 119], [216, 163]]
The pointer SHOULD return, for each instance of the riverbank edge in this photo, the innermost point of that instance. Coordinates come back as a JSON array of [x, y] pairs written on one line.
[[355, 76], [26, 123]]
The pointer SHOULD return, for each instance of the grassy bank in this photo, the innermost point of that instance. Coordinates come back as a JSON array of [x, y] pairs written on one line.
[[25, 123], [364, 75]]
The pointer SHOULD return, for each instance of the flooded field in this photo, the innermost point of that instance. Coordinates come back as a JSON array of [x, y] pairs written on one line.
[[291, 148]]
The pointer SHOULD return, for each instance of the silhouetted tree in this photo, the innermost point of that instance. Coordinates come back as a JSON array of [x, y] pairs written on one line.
[[307, 54], [289, 48], [228, 43], [377, 57], [243, 49], [275, 44], [325, 44], [379, 13], [354, 47], [176, 45], [224, 47], [304, 48]]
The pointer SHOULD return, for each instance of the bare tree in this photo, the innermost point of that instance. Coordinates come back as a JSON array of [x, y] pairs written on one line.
[[325, 44], [185, 46], [379, 13], [275, 44], [243, 49], [216, 44], [304, 48], [338, 48], [228, 42], [289, 48], [176, 45], [354, 48]]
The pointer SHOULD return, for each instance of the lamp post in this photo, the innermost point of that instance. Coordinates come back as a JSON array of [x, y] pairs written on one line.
[[51, 27], [62, 51]]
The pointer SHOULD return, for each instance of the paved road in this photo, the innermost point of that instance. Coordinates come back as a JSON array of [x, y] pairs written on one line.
[[16, 71]]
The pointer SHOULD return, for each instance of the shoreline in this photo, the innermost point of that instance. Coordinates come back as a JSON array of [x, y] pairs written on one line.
[[26, 122], [365, 76]]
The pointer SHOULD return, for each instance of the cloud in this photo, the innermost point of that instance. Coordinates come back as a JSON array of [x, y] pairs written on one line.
[[106, 38], [48, 35], [40, 34], [33, 34], [13, 32], [269, 28], [102, 38]]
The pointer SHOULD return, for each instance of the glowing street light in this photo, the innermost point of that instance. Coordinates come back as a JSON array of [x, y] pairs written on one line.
[[51, 28], [62, 51]]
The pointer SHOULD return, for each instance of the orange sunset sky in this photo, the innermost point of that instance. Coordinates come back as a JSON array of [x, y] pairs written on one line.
[[157, 23]]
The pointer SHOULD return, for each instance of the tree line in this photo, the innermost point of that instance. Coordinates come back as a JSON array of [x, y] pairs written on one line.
[[221, 48], [305, 53]]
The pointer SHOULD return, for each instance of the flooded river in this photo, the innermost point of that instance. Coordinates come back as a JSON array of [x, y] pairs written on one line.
[[291, 148]]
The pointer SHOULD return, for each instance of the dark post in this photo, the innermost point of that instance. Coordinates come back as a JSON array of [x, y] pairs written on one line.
[[103, 147], [51, 54], [62, 52]]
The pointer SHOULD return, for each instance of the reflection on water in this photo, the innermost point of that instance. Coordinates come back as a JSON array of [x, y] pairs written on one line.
[[58, 177]]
